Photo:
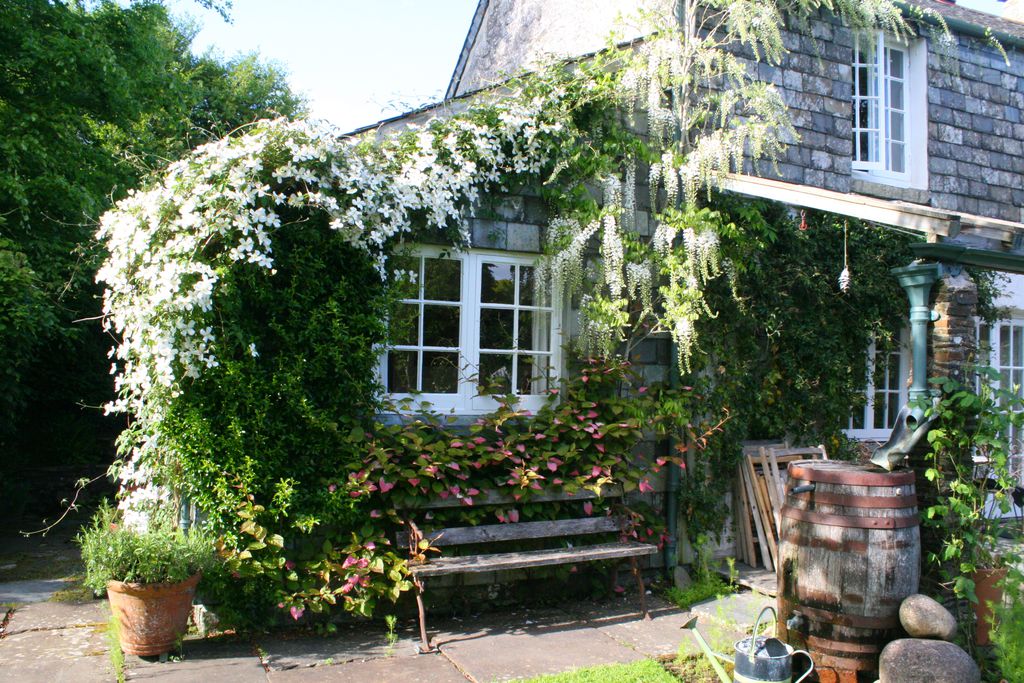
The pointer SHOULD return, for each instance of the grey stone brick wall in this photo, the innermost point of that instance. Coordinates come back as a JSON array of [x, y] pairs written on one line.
[[975, 103], [976, 131]]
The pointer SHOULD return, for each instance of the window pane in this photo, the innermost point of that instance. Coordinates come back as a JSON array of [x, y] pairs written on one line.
[[495, 373], [534, 331], [857, 419], [441, 326], [897, 158], [405, 325], [442, 279], [896, 126], [402, 371], [894, 409], [1004, 346], [532, 374], [527, 284], [880, 405], [407, 264], [440, 372], [895, 63], [496, 328], [896, 94], [863, 120], [1018, 347], [497, 286]]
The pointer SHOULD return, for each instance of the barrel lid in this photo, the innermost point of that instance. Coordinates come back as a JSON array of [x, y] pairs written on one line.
[[849, 473]]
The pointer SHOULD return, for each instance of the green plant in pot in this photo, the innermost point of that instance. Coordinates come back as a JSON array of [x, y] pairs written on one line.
[[150, 577], [969, 464]]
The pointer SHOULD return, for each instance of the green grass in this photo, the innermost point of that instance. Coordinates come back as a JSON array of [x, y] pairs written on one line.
[[644, 671]]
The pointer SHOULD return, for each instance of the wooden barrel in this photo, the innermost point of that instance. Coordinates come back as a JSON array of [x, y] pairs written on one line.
[[849, 553]]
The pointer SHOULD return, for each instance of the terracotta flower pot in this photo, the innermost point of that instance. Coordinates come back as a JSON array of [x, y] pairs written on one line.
[[153, 616], [988, 587]]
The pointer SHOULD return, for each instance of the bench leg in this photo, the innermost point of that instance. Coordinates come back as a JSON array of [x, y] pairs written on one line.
[[635, 568], [425, 647]]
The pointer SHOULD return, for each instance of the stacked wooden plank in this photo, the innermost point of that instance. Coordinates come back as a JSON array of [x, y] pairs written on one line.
[[760, 493]]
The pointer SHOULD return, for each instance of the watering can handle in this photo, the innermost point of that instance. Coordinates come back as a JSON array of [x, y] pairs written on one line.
[[809, 671], [757, 624]]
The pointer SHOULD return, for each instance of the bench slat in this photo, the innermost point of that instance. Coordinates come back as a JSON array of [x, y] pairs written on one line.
[[497, 533], [492, 497], [532, 558]]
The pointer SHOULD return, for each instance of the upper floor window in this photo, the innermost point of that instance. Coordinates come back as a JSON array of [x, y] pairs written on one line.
[[889, 110], [475, 325]]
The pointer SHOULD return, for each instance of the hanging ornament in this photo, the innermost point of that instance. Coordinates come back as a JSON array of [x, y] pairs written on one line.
[[844, 277], [803, 219]]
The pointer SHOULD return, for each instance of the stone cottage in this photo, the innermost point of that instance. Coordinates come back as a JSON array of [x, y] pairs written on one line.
[[925, 135]]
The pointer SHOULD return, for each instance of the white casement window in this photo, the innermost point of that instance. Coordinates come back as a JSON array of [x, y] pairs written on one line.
[[479, 324], [889, 110], [1001, 346], [885, 393]]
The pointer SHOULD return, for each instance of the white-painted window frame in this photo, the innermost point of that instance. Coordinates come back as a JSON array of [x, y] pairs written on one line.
[[895, 379], [467, 400], [1011, 371], [912, 111]]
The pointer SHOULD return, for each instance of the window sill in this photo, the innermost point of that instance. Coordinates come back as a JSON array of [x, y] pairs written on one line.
[[872, 186]]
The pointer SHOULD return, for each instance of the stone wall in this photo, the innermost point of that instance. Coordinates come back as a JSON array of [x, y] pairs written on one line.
[[976, 131], [975, 101]]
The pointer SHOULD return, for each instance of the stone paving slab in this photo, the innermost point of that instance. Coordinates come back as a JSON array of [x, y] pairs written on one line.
[[284, 652], [434, 668], [533, 650], [223, 660], [621, 620], [64, 655], [55, 615], [37, 590], [739, 609], [475, 626]]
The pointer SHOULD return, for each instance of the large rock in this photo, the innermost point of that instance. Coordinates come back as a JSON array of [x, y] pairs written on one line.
[[914, 660], [923, 617]]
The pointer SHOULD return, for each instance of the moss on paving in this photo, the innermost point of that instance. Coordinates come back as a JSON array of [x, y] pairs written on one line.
[[644, 671]]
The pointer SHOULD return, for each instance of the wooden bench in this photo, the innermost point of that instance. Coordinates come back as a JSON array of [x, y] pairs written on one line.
[[515, 531]]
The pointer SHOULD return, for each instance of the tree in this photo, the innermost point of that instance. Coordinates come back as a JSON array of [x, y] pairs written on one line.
[[93, 97]]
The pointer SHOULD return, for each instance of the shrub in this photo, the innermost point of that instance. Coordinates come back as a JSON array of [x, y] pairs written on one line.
[[113, 552]]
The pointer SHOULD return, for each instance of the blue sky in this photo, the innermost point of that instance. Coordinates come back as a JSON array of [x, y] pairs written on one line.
[[357, 61]]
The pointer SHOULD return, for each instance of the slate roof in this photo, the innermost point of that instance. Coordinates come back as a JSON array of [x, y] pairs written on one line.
[[970, 16]]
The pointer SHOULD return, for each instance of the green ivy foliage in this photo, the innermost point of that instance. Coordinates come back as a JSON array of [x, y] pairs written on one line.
[[275, 425], [786, 350]]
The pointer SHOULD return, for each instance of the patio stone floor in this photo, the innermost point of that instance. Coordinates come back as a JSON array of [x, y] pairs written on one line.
[[54, 642]]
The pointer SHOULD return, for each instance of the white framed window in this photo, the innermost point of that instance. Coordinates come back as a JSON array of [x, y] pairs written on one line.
[[890, 136], [477, 324], [1001, 347], [885, 392]]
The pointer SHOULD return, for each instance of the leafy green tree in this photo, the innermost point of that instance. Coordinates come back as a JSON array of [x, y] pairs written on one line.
[[93, 96]]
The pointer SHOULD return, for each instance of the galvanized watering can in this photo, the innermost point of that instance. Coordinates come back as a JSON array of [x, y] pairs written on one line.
[[758, 659]]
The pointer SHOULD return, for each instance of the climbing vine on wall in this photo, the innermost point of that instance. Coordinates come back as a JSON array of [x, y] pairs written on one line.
[[248, 288]]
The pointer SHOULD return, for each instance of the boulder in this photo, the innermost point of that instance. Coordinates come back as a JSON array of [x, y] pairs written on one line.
[[915, 660], [922, 617]]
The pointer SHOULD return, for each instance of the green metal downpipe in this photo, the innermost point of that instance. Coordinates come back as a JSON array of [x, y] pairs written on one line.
[[912, 422]]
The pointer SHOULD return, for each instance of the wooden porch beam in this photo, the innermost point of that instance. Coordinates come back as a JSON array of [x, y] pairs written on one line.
[[923, 219]]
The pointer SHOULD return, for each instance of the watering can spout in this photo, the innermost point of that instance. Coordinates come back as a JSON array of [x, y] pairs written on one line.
[[691, 626]]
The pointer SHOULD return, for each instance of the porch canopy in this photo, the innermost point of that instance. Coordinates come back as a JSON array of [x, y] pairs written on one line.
[[952, 237]]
